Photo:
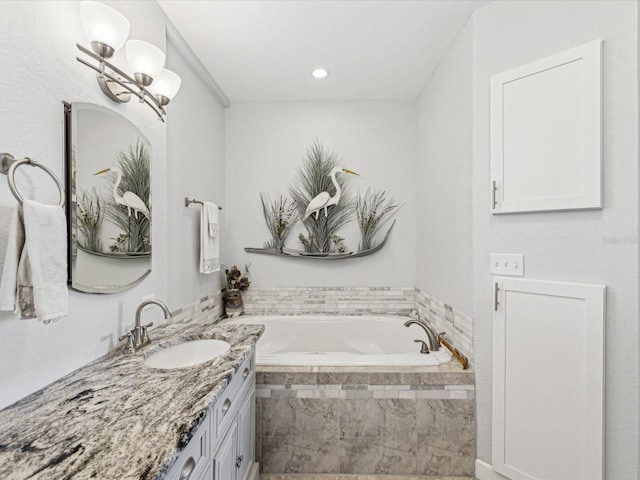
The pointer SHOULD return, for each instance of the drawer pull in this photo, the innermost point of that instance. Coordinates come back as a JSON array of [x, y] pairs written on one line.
[[188, 468], [226, 406], [245, 374]]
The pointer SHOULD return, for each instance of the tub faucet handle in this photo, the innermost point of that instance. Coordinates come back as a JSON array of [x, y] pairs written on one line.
[[424, 348]]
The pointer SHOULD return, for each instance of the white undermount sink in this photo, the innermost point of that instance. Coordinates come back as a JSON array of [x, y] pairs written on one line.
[[187, 354]]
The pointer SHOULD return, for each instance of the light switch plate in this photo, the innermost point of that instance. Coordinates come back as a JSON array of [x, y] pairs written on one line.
[[507, 264]]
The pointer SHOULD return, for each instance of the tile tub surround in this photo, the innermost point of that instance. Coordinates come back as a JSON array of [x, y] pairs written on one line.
[[329, 300], [366, 422], [363, 301], [445, 318], [116, 418], [208, 309]]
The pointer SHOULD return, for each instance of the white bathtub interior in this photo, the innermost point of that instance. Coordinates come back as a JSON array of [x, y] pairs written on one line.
[[340, 341]]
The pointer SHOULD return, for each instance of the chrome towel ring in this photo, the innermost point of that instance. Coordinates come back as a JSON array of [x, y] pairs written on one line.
[[9, 165]]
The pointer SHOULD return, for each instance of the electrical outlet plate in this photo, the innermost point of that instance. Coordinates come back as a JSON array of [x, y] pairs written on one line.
[[507, 264]]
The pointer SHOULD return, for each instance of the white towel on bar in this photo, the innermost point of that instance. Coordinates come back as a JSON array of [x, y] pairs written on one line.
[[213, 218], [46, 260], [11, 246], [209, 246]]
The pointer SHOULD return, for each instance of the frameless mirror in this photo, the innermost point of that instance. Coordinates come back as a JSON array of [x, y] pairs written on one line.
[[108, 198]]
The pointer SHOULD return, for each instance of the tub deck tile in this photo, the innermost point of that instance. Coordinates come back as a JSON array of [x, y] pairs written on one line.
[[299, 435], [378, 436], [446, 437], [416, 422], [294, 476]]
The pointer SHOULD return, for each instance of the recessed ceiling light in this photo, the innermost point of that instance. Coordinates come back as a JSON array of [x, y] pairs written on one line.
[[320, 73]]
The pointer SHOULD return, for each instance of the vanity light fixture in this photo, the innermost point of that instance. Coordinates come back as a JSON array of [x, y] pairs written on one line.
[[320, 73], [107, 30]]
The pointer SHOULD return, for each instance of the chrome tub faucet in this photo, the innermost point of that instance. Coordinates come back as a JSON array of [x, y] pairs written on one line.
[[434, 342]]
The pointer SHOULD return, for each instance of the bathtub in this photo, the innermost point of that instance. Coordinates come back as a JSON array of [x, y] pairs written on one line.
[[340, 341]]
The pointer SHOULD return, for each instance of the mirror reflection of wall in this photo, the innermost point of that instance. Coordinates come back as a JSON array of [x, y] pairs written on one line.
[[109, 200]]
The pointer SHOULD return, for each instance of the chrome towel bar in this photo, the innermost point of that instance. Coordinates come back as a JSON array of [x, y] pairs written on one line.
[[188, 201]]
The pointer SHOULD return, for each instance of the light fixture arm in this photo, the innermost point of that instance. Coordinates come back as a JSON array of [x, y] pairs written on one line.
[[119, 77]]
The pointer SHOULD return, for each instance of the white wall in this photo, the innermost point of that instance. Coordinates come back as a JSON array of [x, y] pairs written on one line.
[[39, 73], [598, 246], [266, 142], [443, 191], [195, 166]]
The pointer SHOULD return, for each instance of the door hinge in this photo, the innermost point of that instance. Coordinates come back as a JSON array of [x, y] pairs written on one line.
[[496, 289], [494, 187]]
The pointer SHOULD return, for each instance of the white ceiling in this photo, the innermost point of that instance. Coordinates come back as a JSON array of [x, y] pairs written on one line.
[[374, 50]]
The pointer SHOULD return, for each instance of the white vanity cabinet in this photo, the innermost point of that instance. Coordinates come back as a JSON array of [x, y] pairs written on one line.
[[223, 448], [234, 417], [234, 458], [194, 461]]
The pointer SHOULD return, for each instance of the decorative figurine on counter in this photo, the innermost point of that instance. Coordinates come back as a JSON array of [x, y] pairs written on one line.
[[236, 282]]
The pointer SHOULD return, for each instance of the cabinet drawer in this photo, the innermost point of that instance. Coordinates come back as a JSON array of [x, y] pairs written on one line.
[[229, 402], [194, 459]]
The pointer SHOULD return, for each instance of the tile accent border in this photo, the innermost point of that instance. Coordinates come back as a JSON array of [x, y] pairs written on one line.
[[206, 310], [441, 392]]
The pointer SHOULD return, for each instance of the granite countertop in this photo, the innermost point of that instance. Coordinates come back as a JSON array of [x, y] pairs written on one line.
[[115, 418]]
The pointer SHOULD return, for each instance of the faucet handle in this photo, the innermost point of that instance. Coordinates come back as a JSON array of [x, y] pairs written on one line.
[[424, 348], [130, 346], [144, 334], [127, 335]]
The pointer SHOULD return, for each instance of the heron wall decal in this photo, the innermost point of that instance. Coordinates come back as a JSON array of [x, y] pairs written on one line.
[[324, 199], [127, 199]]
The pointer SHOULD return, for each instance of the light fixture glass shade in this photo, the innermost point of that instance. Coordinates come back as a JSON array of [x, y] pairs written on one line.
[[144, 58], [104, 25], [320, 73], [166, 84]]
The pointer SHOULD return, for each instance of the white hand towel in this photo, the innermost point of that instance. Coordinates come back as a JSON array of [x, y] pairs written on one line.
[[11, 246], [209, 246], [46, 249], [213, 218], [26, 305]]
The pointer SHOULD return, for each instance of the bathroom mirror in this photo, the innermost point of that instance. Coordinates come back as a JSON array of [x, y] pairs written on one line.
[[109, 200]]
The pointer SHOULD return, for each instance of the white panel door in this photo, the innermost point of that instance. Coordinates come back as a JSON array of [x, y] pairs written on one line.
[[548, 363], [246, 435], [546, 133], [224, 460]]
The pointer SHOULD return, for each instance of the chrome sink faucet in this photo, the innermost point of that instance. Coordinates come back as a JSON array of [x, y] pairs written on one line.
[[139, 336], [434, 343]]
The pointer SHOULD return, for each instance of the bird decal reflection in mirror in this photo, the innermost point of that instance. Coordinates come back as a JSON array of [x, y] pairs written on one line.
[[127, 199]]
